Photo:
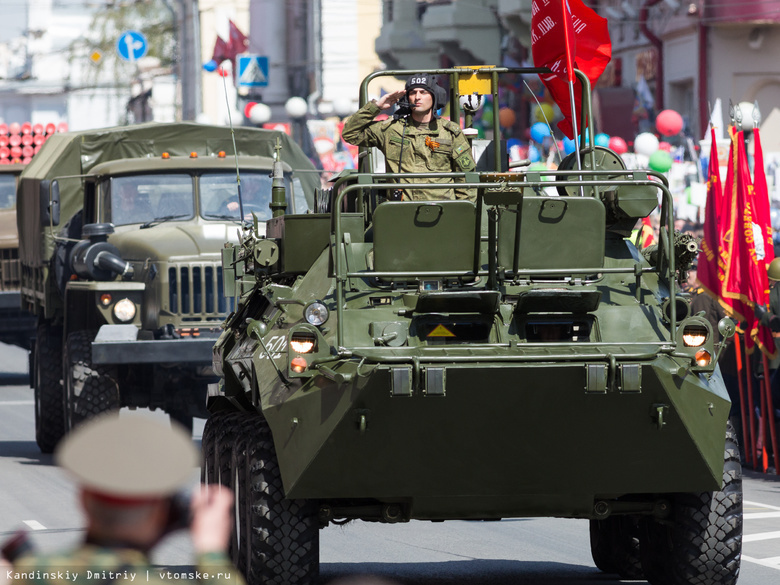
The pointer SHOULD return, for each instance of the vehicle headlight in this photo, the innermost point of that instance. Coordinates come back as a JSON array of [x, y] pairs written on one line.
[[125, 310], [303, 342], [694, 335], [316, 313], [703, 358]]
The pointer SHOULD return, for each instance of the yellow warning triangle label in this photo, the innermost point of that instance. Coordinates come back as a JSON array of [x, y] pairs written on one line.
[[441, 331]]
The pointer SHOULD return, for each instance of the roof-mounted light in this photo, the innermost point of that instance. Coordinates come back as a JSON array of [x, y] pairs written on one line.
[[193, 154], [166, 155]]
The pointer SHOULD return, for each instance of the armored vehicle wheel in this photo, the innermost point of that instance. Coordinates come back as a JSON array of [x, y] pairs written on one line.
[[207, 446], [702, 541], [240, 547], [49, 412], [284, 533], [90, 390], [614, 545]]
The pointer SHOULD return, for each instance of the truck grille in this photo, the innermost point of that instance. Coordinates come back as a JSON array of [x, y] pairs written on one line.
[[195, 292], [10, 277]]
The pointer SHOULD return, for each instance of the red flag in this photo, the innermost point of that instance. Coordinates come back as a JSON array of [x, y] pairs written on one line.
[[745, 283], [220, 52], [237, 43], [761, 195], [707, 273], [591, 50]]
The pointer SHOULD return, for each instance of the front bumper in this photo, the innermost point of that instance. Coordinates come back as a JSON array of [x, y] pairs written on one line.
[[119, 344]]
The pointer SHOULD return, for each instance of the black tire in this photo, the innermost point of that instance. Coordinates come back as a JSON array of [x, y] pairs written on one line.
[[240, 547], [183, 419], [90, 390], [702, 541], [207, 443], [614, 545], [49, 411], [284, 534]]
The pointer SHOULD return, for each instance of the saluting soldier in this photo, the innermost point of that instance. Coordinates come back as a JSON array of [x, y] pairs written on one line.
[[129, 469], [419, 142]]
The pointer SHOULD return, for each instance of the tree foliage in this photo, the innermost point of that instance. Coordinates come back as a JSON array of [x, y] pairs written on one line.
[[153, 18]]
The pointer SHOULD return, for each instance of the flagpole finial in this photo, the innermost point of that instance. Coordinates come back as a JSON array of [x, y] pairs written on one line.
[[731, 112], [756, 115], [738, 117]]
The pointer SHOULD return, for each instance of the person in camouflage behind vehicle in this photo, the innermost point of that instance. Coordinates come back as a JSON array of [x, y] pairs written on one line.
[[415, 140]]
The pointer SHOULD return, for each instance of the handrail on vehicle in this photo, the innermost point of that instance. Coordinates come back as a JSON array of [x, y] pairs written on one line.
[[665, 235]]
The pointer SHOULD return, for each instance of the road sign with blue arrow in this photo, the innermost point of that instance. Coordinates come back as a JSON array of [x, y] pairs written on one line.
[[131, 45]]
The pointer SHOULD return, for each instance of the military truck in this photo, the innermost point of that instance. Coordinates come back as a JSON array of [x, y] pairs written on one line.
[[438, 360], [121, 231], [17, 327]]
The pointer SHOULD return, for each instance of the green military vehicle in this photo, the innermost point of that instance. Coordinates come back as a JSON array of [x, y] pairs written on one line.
[[121, 231], [438, 360], [17, 327]]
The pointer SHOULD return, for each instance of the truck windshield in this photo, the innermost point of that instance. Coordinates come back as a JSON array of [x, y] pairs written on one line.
[[7, 191], [148, 198], [219, 195]]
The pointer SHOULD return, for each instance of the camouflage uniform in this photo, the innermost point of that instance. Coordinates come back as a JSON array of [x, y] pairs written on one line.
[[438, 147], [95, 565]]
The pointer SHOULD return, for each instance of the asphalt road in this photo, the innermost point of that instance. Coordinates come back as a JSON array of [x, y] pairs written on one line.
[[36, 495]]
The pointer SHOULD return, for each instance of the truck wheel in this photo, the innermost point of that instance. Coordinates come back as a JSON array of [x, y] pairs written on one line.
[[49, 412], [702, 541], [284, 533], [614, 545], [182, 418], [90, 390]]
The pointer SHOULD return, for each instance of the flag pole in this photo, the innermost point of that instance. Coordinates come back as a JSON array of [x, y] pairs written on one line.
[[570, 74]]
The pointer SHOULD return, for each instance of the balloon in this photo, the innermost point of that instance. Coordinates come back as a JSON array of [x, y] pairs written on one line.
[[507, 117], [533, 153], [248, 108], [617, 144], [669, 122], [645, 143], [539, 132], [260, 114], [660, 161], [512, 142], [601, 139], [487, 117], [568, 145], [210, 65], [665, 146], [543, 110]]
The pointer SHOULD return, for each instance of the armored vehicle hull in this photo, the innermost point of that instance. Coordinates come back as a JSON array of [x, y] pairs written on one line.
[[513, 357]]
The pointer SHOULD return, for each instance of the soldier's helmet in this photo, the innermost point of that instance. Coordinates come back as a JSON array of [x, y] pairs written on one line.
[[429, 83], [129, 457], [773, 270]]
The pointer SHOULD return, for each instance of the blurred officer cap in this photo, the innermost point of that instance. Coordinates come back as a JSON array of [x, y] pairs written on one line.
[[129, 457]]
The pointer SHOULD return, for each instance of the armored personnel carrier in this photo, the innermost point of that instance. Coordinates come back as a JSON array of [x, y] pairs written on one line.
[[121, 231], [438, 360]]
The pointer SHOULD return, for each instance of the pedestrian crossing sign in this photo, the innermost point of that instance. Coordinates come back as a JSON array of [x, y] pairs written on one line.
[[252, 71]]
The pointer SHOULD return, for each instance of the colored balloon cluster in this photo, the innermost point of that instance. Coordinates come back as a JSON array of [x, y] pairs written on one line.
[[19, 142]]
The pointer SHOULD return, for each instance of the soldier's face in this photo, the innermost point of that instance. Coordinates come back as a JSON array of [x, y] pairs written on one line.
[[421, 100]]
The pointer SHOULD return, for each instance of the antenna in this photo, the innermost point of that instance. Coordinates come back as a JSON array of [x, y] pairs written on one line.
[[235, 153]]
